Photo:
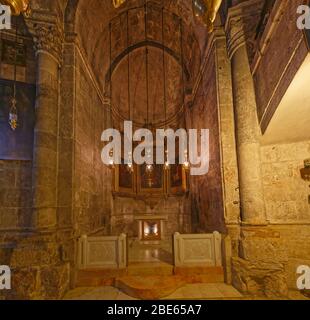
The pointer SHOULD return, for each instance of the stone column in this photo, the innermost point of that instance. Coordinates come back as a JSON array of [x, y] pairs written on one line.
[[248, 132], [48, 47], [226, 130]]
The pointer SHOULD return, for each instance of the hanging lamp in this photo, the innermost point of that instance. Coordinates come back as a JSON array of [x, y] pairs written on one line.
[[167, 164], [111, 153], [13, 114], [149, 167]]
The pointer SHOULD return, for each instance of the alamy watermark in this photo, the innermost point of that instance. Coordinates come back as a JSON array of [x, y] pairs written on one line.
[[5, 17], [303, 21], [303, 281], [193, 148], [5, 278]]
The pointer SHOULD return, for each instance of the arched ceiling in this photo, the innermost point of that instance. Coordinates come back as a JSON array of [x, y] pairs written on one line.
[[90, 19]]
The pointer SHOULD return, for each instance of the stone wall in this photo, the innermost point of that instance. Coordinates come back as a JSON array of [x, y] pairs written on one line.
[[15, 195], [92, 179], [206, 190], [286, 193], [287, 203]]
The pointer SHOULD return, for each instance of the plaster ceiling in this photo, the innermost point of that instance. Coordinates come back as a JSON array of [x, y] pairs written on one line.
[[291, 121]]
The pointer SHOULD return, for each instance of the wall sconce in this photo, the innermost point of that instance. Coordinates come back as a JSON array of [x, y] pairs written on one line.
[[305, 172]]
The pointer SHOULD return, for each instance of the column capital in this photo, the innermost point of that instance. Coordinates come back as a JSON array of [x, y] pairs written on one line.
[[241, 25], [48, 36]]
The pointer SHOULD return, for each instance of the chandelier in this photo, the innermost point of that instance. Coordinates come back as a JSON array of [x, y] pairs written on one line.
[[17, 6]]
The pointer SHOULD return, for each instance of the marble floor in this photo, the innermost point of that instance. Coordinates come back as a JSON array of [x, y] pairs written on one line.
[[208, 291], [151, 251], [201, 291]]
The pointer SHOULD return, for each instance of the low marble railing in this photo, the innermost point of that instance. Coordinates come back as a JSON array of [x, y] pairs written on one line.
[[102, 252], [197, 250]]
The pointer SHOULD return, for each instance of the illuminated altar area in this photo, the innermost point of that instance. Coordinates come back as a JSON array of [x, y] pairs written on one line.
[[151, 205]]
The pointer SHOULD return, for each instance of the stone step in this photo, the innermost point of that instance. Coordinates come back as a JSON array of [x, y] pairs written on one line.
[[149, 287], [150, 269], [189, 275], [98, 277], [199, 274]]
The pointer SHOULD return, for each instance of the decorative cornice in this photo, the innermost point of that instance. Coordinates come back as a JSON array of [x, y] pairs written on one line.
[[218, 34]]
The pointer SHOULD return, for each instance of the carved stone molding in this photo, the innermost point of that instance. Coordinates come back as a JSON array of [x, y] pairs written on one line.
[[241, 26], [235, 35]]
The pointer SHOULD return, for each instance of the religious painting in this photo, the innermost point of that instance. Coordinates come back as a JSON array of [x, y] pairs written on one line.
[[18, 144], [151, 178], [124, 179], [177, 179], [176, 175]]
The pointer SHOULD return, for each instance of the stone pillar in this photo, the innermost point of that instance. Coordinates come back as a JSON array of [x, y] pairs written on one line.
[[229, 165], [48, 46], [248, 133]]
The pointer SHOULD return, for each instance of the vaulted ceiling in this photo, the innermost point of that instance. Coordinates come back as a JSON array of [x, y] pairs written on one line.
[[117, 37], [90, 19]]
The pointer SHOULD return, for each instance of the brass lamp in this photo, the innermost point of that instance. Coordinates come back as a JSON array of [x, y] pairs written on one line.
[[205, 11], [118, 3], [17, 6]]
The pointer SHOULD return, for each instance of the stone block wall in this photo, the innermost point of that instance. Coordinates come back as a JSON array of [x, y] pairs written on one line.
[[286, 193], [206, 190], [92, 179], [287, 202], [15, 195]]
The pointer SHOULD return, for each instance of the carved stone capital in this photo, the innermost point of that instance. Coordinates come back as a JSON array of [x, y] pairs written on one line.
[[241, 26], [48, 37], [234, 34]]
